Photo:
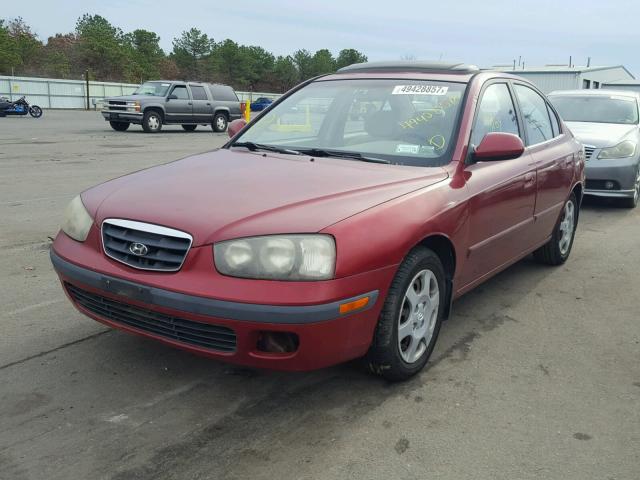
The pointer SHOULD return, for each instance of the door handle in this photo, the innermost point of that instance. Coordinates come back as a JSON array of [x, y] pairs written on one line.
[[208, 104], [529, 179], [189, 103]]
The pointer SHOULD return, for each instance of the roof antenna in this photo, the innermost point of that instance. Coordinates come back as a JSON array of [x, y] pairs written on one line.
[[519, 59], [588, 62], [570, 61], [514, 63]]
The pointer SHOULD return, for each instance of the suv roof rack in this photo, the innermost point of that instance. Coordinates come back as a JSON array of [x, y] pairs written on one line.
[[410, 65]]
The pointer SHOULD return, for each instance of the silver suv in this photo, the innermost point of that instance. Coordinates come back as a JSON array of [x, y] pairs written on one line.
[[173, 102]]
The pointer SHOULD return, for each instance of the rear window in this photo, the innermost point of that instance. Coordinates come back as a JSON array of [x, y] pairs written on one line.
[[223, 93]]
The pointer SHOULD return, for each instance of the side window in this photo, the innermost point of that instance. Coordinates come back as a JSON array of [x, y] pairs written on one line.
[[496, 113], [198, 93], [554, 122], [180, 91], [536, 116]]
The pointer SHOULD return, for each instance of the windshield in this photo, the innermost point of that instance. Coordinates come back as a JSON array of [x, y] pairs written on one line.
[[598, 109], [406, 122], [156, 89]]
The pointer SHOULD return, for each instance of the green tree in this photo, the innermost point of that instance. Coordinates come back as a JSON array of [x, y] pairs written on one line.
[[304, 64], [143, 48], [9, 56], [28, 47], [100, 47], [322, 62], [59, 56], [349, 56], [285, 74], [190, 50]]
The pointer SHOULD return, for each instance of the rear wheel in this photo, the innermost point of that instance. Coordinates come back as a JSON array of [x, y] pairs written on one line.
[[219, 122], [557, 250], [632, 202], [189, 128], [410, 320], [119, 126], [152, 121]]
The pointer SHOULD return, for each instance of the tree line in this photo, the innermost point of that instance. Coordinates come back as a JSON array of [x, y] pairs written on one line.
[[109, 54]]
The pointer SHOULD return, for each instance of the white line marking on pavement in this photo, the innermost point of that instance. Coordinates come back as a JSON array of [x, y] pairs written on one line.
[[35, 306]]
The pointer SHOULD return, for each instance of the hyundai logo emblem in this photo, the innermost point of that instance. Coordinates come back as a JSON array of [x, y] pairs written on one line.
[[138, 249]]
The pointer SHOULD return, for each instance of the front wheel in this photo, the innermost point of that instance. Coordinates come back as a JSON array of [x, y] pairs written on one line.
[[152, 121], [119, 126], [35, 111], [219, 122], [557, 250], [410, 320]]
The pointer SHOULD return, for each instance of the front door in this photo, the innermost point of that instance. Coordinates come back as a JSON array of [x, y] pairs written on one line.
[[501, 193], [180, 109]]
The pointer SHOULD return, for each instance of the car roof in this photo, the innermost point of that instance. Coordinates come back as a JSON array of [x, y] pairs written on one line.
[[410, 66], [596, 92]]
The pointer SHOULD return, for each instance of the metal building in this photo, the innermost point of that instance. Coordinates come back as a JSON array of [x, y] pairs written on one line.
[[563, 77], [631, 85]]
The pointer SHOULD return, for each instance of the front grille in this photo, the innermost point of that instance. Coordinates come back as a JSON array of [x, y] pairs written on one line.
[[213, 337], [163, 249], [600, 185], [588, 151], [117, 105]]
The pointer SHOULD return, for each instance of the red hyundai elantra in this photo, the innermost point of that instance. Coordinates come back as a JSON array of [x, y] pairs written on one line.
[[340, 223]]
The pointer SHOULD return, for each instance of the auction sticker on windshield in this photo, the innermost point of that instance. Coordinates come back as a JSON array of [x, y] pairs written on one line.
[[419, 90]]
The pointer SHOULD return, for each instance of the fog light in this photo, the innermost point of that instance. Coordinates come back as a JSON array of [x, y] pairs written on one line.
[[278, 342], [609, 185]]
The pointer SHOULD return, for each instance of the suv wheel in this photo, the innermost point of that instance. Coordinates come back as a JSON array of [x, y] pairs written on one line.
[[152, 121], [119, 126], [189, 128], [219, 122], [410, 320], [557, 250]]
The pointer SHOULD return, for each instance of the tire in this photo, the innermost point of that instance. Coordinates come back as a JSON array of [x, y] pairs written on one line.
[[189, 128], [152, 121], [410, 319], [557, 250], [219, 122], [119, 126], [632, 202], [35, 111]]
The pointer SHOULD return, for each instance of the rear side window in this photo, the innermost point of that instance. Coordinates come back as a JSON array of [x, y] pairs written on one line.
[[198, 93], [496, 113], [536, 116], [554, 122], [223, 93]]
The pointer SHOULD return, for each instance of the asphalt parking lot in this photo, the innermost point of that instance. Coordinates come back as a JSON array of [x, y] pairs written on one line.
[[536, 375]]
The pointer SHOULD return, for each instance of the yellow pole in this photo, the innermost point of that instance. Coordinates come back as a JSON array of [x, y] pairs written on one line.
[[247, 111]]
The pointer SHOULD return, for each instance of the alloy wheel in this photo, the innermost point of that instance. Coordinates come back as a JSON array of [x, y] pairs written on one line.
[[418, 316], [567, 226]]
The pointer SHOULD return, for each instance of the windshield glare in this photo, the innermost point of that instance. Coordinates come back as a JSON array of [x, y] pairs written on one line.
[[156, 89], [407, 122], [598, 109]]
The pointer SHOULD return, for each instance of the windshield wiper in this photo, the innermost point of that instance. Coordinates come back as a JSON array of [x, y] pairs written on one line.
[[262, 146], [319, 152]]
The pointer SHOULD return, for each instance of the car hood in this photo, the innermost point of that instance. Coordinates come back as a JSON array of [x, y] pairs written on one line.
[[599, 135], [227, 194]]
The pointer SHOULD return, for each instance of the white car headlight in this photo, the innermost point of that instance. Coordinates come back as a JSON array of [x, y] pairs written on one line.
[[77, 221], [278, 257], [624, 149]]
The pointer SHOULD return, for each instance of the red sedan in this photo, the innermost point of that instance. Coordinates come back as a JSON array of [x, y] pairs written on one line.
[[341, 223]]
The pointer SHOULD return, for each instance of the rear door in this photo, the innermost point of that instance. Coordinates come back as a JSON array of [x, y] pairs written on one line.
[[202, 108], [552, 154], [502, 193], [226, 100], [180, 109]]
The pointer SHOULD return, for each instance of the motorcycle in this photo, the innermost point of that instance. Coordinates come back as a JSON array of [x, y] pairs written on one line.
[[19, 107]]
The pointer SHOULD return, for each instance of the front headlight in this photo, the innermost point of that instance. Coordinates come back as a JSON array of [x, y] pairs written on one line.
[[622, 150], [77, 221], [277, 257]]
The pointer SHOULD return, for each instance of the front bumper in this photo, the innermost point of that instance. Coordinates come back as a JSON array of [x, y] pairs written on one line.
[[622, 172], [122, 116], [325, 336]]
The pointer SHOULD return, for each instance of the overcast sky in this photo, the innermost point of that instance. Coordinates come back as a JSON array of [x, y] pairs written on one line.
[[485, 33]]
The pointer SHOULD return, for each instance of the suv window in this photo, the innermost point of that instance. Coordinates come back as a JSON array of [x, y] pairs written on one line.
[[496, 113], [535, 113], [223, 93], [555, 125], [198, 92], [180, 91]]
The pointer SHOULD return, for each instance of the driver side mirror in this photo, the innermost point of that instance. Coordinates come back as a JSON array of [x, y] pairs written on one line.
[[173, 96], [499, 146], [235, 126]]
